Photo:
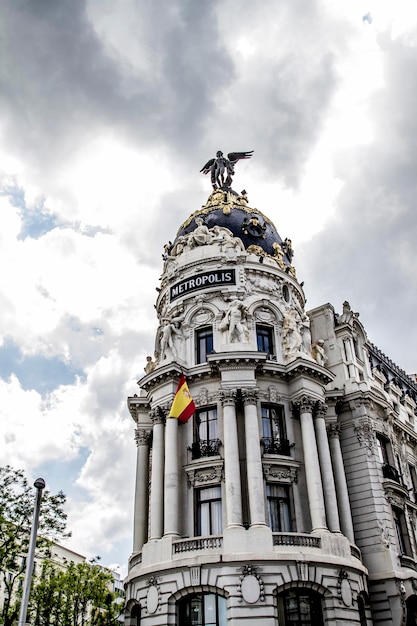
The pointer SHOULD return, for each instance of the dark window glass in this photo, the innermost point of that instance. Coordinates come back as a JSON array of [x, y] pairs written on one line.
[[209, 511], [201, 609], [206, 442], [382, 450], [204, 343], [273, 430], [279, 512], [362, 612], [300, 607], [401, 530], [264, 338]]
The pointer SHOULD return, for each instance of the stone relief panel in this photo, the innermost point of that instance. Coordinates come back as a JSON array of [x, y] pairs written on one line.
[[203, 476], [250, 587], [274, 472]]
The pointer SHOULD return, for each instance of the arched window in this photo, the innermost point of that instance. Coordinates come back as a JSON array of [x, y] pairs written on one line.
[[203, 343], [135, 615], [201, 609], [411, 605], [362, 611], [300, 607]]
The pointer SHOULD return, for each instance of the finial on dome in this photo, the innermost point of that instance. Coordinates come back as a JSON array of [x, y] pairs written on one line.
[[222, 169]]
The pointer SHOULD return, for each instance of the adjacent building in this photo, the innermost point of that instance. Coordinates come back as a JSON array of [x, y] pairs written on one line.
[[289, 498]]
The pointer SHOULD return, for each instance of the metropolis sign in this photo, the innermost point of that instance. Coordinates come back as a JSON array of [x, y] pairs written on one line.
[[206, 279]]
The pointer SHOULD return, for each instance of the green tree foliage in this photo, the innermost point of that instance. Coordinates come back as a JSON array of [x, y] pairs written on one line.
[[80, 595], [17, 501]]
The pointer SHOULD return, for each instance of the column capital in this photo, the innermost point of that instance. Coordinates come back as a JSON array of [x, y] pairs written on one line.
[[305, 404], [158, 414], [320, 409], [142, 437], [227, 396], [333, 430], [250, 396]]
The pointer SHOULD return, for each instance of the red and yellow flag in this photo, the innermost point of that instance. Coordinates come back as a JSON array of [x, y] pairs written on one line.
[[183, 405]]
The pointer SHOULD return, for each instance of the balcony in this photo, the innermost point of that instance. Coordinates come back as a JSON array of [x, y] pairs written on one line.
[[275, 446], [204, 448], [296, 539], [198, 543], [391, 473]]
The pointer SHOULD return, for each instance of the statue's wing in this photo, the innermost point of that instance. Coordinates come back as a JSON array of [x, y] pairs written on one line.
[[236, 156], [206, 168]]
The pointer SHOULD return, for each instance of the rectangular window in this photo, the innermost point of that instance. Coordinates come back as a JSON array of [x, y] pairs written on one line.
[[209, 511], [204, 343], [206, 442], [273, 430], [401, 531], [265, 339], [279, 512], [382, 444], [413, 475]]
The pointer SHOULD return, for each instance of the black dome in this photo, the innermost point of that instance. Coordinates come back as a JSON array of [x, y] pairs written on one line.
[[228, 209]]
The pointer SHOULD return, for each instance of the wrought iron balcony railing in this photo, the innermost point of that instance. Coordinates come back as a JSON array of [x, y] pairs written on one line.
[[275, 446], [203, 448], [391, 473]]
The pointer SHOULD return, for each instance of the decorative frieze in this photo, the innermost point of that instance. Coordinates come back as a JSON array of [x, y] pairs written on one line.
[[201, 476], [279, 473]]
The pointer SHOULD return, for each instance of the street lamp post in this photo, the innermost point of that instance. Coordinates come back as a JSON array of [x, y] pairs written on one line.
[[40, 486]]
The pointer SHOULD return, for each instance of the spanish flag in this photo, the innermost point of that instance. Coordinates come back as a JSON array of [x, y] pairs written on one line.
[[183, 405]]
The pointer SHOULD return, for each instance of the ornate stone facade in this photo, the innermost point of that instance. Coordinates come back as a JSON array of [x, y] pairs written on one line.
[[276, 494]]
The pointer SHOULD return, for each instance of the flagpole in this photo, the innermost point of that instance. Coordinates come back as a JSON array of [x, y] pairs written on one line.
[[40, 486]]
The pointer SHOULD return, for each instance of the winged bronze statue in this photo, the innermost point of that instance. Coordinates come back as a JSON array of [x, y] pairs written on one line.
[[222, 169]]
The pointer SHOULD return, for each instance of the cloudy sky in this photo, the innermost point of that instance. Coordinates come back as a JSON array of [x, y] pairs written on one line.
[[108, 110]]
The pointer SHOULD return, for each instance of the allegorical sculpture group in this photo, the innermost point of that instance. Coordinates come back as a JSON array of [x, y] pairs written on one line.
[[222, 169]]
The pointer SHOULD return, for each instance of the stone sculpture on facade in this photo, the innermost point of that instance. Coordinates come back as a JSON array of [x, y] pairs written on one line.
[[170, 331], [291, 338], [318, 352], [347, 315], [234, 322], [222, 169], [150, 365], [305, 335]]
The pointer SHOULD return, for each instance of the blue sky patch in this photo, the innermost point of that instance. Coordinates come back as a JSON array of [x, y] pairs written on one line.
[[36, 372]]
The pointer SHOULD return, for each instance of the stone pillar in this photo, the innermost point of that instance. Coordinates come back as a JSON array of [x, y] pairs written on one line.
[[312, 467], [233, 488], [140, 523], [253, 458], [329, 488], [340, 480], [157, 476], [171, 486]]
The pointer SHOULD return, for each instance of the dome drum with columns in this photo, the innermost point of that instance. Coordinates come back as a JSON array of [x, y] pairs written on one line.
[[243, 514]]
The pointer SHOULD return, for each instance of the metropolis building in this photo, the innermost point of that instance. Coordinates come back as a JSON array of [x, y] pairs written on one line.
[[290, 497]]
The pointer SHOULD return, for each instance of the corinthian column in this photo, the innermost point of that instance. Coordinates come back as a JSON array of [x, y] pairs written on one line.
[[231, 461], [253, 458], [329, 489], [157, 477], [341, 485], [171, 496], [140, 523], [312, 467]]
